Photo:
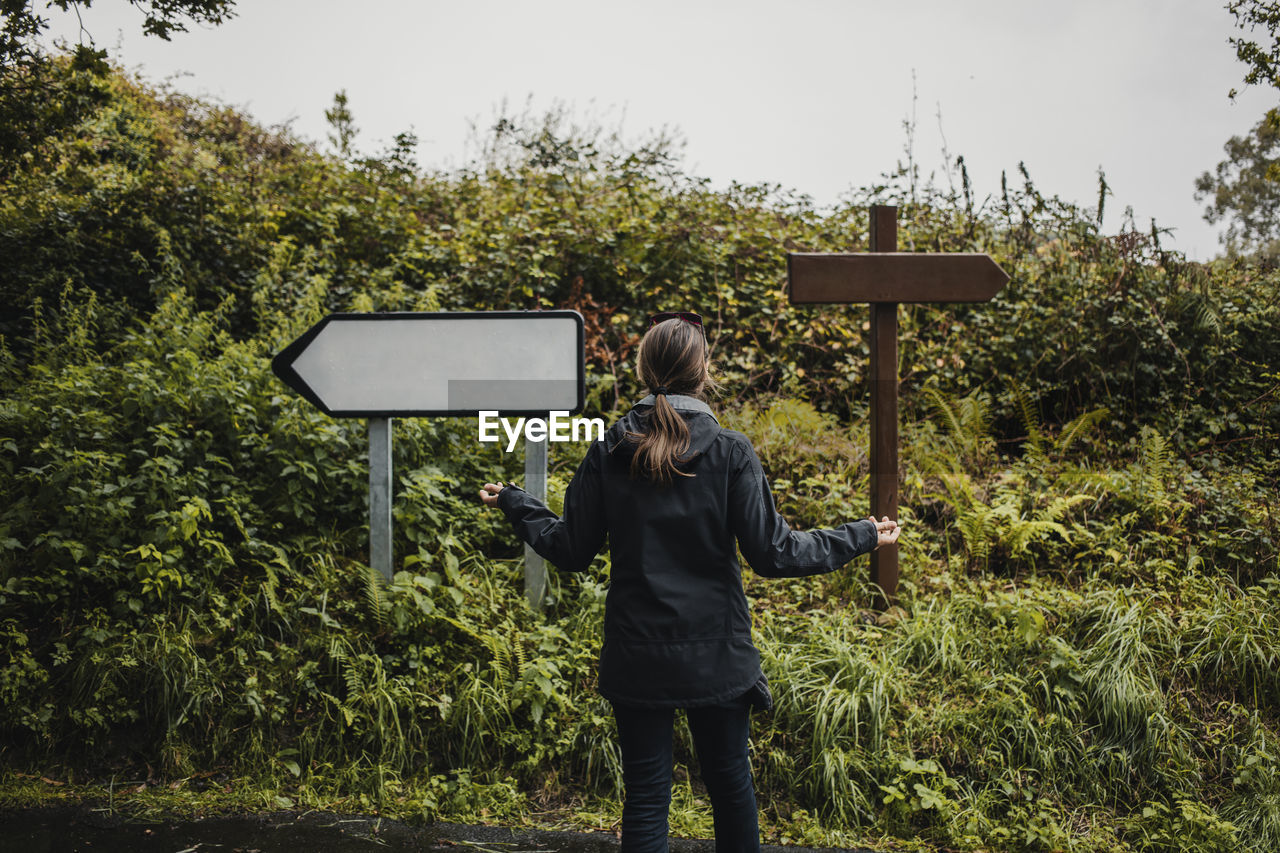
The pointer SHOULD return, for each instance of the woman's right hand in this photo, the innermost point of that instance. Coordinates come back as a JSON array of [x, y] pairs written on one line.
[[489, 494], [886, 530]]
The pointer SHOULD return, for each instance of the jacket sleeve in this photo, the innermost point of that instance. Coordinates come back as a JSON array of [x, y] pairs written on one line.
[[771, 547], [570, 541]]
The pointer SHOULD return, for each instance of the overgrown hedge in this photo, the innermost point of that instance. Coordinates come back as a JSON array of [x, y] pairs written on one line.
[[1086, 651]]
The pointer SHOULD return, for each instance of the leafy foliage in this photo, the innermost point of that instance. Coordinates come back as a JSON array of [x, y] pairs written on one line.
[[22, 22], [1245, 189], [1084, 655], [1260, 58]]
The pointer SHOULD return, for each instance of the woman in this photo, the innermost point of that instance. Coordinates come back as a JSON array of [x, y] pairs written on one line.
[[674, 492]]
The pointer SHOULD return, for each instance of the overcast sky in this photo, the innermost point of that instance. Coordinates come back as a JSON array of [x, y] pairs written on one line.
[[810, 94]]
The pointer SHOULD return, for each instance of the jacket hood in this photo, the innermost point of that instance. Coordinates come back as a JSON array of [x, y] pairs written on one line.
[[703, 425]]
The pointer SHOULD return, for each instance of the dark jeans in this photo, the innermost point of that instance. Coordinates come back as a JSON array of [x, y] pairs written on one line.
[[720, 739]]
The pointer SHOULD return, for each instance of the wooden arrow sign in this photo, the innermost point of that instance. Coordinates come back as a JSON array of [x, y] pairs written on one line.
[[894, 277], [884, 277], [411, 364]]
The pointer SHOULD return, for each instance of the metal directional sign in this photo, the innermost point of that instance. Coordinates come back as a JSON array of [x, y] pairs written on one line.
[[884, 277], [430, 364], [393, 365]]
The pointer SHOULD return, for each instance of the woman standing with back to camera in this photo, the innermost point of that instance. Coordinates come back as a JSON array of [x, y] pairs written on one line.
[[674, 492]]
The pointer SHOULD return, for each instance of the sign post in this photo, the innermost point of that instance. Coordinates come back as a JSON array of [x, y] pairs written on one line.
[[380, 556], [535, 483], [883, 237], [886, 277], [395, 365]]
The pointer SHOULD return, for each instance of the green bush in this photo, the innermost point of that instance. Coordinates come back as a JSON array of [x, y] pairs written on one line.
[[1084, 651]]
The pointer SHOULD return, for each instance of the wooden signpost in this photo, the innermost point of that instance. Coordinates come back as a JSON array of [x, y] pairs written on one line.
[[885, 277]]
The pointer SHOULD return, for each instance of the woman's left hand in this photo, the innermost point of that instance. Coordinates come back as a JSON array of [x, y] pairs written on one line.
[[489, 494], [887, 531]]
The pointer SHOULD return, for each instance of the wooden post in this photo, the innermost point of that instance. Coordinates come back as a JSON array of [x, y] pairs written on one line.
[[884, 409], [886, 277]]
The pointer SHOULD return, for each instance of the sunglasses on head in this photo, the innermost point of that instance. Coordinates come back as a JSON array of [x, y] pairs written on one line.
[[687, 316]]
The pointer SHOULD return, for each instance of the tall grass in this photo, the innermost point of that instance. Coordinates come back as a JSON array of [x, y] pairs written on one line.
[[1010, 706]]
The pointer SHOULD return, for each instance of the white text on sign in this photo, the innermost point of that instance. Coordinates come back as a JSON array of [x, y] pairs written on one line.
[[559, 427]]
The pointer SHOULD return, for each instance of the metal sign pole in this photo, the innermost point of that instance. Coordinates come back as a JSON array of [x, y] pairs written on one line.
[[380, 495], [535, 483]]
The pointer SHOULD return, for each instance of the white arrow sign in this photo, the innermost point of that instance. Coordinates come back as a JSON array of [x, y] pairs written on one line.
[[418, 365]]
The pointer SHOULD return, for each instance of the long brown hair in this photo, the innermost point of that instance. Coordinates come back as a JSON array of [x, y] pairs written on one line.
[[673, 355]]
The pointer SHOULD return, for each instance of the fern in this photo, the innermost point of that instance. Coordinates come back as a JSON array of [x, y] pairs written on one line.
[[269, 588], [1021, 531], [374, 596], [501, 655], [351, 676], [1154, 466], [1004, 523], [967, 423], [1031, 422], [975, 414], [338, 648], [973, 516], [976, 526], [950, 419], [1060, 505], [499, 651], [272, 582], [348, 715], [1080, 425], [521, 660]]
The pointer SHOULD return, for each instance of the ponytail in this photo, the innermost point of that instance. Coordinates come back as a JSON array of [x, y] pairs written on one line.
[[663, 445], [672, 359]]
